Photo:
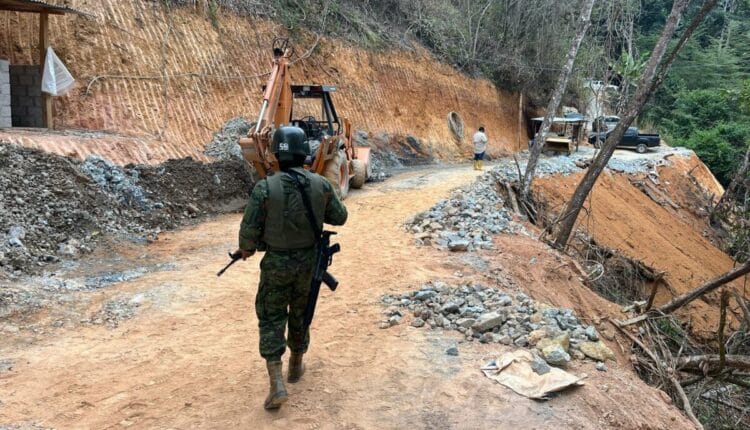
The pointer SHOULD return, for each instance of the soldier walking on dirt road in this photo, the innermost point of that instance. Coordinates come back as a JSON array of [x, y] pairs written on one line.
[[276, 222], [480, 146]]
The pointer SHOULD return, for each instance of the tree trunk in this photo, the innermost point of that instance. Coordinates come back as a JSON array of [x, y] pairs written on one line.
[[737, 180], [646, 86], [741, 362], [709, 286], [554, 103]]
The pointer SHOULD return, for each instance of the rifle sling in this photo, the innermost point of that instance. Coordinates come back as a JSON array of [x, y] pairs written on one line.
[[308, 206]]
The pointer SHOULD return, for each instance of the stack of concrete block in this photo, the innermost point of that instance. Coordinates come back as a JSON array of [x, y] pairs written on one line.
[[5, 118], [26, 96]]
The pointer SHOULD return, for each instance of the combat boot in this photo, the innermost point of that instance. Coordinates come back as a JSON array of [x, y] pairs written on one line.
[[296, 367], [277, 394]]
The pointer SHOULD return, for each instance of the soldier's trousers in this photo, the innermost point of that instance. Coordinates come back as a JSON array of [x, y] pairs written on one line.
[[282, 297]]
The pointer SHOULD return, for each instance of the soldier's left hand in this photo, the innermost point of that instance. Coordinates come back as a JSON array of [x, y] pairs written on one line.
[[244, 254]]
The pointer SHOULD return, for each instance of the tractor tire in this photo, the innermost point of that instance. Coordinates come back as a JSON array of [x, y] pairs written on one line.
[[337, 173], [359, 169], [641, 148]]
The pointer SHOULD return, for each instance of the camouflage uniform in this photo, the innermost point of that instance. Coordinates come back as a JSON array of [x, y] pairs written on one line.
[[285, 273]]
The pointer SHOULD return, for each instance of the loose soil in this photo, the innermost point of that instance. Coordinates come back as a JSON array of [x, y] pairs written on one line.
[[187, 357], [677, 241]]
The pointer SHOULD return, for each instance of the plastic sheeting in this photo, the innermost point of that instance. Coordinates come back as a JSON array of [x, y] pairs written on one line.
[[56, 79]]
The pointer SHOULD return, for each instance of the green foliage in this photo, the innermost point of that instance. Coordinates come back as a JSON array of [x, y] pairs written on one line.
[[744, 97], [629, 67], [701, 110], [721, 147], [704, 103]]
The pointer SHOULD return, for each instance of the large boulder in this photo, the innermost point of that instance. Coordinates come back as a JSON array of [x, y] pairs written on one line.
[[490, 320], [596, 350]]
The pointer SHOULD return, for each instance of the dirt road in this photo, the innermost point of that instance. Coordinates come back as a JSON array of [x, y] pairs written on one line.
[[188, 356]]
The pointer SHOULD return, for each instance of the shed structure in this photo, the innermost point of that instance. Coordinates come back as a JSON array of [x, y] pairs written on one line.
[[22, 102]]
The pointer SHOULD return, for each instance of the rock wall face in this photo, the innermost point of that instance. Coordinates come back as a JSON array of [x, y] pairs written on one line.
[[170, 78]]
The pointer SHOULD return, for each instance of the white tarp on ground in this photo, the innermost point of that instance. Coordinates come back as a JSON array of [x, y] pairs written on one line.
[[513, 370], [56, 79]]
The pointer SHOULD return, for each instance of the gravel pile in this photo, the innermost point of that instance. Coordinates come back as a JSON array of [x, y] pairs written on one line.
[[54, 207], [623, 161], [467, 220], [115, 181], [225, 144], [488, 315]]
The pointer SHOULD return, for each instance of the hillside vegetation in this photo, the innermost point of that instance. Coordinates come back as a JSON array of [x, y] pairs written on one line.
[[704, 104]]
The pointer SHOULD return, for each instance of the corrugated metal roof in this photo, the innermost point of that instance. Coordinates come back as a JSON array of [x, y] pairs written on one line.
[[37, 6]]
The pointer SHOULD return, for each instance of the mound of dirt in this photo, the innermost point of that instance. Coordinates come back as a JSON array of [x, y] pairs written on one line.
[[669, 239], [53, 207], [188, 188]]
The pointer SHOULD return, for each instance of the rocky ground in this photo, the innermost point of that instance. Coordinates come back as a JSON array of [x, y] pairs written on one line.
[[172, 346], [624, 161], [489, 315], [467, 220], [54, 207]]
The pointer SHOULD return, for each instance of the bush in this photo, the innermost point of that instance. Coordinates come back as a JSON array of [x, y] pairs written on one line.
[[701, 110], [721, 148]]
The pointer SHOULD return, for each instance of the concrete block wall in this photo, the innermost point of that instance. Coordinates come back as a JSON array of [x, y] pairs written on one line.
[[26, 96], [5, 117]]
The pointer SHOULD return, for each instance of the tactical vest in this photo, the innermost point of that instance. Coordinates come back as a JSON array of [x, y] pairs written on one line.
[[286, 224]]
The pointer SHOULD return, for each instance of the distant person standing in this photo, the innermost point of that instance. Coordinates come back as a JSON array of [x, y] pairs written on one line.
[[480, 146]]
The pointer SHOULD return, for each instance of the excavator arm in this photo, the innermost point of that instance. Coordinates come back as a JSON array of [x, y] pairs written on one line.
[[336, 157]]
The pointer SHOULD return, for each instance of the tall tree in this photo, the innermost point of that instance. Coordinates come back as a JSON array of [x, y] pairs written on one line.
[[652, 77], [554, 102]]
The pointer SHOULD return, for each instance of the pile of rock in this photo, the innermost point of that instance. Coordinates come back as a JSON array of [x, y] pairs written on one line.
[[382, 159], [507, 170], [54, 207], [225, 143], [467, 220], [122, 185], [489, 315]]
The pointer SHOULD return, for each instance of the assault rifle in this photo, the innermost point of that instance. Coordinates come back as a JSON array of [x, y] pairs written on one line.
[[324, 257], [323, 254]]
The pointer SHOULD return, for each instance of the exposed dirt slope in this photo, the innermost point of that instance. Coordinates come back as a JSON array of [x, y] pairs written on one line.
[[674, 240], [188, 358], [189, 78]]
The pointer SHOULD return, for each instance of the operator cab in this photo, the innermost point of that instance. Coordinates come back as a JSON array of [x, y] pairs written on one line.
[[313, 112]]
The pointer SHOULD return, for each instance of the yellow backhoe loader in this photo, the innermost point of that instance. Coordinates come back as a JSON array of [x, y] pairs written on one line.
[[309, 107]]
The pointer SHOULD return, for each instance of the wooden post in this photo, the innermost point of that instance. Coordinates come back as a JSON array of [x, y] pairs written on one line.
[[43, 45]]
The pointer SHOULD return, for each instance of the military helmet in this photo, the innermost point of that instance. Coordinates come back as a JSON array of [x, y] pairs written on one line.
[[289, 141]]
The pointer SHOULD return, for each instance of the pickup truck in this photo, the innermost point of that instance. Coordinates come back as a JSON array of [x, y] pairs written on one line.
[[631, 139]]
